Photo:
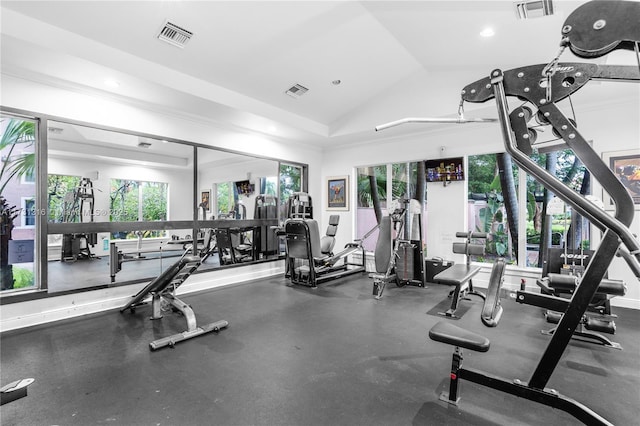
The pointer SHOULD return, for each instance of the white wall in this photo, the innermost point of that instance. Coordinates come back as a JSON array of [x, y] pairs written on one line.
[[613, 126]]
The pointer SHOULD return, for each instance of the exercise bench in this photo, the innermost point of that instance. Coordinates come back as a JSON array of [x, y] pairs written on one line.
[[461, 275], [162, 291]]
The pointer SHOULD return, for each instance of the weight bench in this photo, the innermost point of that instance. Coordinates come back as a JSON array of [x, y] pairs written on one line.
[[560, 284], [460, 338], [162, 290], [450, 334], [460, 275]]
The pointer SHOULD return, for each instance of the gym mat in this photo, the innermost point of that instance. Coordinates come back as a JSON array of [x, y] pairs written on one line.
[[463, 306]]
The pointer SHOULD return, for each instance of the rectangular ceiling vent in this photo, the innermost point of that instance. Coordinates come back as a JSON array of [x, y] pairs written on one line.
[[533, 8], [296, 90], [175, 35]]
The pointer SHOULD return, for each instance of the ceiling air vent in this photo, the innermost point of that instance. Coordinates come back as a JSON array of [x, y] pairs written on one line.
[[533, 8], [296, 90], [175, 35]]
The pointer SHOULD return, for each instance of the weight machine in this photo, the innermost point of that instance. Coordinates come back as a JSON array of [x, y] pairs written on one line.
[[77, 206], [399, 258], [592, 30]]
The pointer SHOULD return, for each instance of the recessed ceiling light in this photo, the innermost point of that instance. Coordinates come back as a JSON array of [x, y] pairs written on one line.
[[110, 82], [487, 32]]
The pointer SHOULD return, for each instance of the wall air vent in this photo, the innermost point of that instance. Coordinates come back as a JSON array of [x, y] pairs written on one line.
[[296, 90], [175, 35], [533, 8]]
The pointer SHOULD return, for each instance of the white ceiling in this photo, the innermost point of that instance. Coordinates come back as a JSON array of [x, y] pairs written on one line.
[[394, 58]]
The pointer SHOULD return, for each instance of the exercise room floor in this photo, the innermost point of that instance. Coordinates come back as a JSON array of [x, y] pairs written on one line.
[[299, 356]]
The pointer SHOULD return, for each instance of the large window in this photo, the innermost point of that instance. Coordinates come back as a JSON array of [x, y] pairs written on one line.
[[550, 222], [18, 208], [493, 204], [380, 185], [494, 208]]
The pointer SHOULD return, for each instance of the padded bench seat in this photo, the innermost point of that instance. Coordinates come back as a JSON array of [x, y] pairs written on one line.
[[457, 274], [568, 283], [450, 334]]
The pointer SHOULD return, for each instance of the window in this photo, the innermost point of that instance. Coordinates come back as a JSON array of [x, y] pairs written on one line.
[[17, 200], [28, 213], [564, 226], [290, 181], [224, 199], [493, 202], [62, 203], [381, 184], [133, 201], [29, 177]]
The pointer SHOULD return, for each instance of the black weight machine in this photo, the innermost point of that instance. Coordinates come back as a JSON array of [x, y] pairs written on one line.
[[305, 262], [399, 251], [561, 275], [77, 205], [592, 30], [163, 294]]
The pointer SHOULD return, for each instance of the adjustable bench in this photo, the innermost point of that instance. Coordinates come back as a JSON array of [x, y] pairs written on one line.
[[460, 275], [162, 290]]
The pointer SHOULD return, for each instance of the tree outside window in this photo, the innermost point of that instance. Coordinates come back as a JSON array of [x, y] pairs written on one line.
[[132, 201]]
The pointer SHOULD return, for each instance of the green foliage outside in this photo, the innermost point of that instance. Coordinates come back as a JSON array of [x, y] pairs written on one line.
[[60, 189], [290, 181], [399, 186], [223, 196], [22, 278], [126, 197]]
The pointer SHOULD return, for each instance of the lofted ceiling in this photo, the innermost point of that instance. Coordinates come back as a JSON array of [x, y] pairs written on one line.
[[393, 58]]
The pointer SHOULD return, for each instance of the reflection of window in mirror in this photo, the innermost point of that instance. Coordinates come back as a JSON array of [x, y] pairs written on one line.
[[290, 181], [224, 199], [269, 185]]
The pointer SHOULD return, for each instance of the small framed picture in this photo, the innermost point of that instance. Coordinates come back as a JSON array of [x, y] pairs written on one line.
[[205, 200], [338, 193], [626, 166]]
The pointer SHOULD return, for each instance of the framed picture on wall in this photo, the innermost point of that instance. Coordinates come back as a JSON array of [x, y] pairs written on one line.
[[338, 193], [205, 200], [626, 166]]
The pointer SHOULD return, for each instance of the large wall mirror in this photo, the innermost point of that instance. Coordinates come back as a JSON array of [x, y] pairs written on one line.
[[121, 208]]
